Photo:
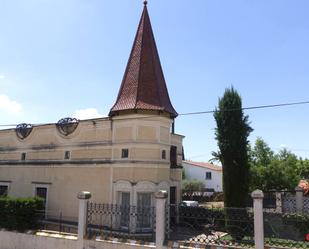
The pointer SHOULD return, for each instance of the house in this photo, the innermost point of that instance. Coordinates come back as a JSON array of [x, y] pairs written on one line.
[[208, 173], [121, 159]]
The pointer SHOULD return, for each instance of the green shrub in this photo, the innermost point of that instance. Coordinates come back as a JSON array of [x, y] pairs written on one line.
[[20, 213], [299, 222]]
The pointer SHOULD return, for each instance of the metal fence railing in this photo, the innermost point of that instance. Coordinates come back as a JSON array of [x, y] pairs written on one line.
[[281, 201], [57, 222], [284, 226], [108, 221], [210, 226]]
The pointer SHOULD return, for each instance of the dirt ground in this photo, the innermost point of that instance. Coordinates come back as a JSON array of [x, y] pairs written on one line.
[[214, 204]]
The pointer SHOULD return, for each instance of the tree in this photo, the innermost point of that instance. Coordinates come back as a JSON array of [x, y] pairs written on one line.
[[232, 133], [303, 168], [191, 186], [274, 171], [262, 153]]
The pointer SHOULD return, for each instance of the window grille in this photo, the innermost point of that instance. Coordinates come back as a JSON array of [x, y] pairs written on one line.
[[125, 153]]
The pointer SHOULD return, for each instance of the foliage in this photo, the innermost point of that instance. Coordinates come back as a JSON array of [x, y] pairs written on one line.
[[287, 230], [302, 168], [232, 134], [191, 186], [275, 171], [300, 223], [20, 213], [261, 153]]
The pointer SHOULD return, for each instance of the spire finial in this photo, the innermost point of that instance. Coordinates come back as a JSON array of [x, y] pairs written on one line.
[[145, 2]]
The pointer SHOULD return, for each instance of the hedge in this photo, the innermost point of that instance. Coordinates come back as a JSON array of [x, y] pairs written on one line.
[[20, 213]]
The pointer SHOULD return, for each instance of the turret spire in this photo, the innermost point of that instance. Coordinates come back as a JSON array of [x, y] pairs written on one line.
[[143, 86]]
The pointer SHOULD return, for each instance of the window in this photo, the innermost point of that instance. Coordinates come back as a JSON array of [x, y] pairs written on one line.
[[163, 156], [4, 190], [41, 189], [67, 155], [42, 193], [173, 156], [124, 153], [144, 210], [125, 209], [208, 176], [23, 156]]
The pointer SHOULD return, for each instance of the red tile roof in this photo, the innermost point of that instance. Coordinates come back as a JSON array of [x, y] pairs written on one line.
[[205, 165], [143, 86]]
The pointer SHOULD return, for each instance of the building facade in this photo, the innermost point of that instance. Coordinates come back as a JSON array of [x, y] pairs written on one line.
[[209, 174], [121, 159]]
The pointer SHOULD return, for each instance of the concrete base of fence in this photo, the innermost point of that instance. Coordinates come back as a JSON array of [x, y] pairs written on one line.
[[14, 240], [176, 245]]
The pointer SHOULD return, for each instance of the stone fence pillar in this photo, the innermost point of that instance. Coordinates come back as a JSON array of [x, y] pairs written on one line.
[[279, 203], [257, 197], [299, 200], [83, 197], [161, 197]]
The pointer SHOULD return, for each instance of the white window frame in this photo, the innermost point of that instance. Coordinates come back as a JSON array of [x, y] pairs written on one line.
[[122, 186]]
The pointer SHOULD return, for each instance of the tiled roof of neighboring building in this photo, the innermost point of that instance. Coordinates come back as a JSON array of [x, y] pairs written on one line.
[[204, 165], [143, 86]]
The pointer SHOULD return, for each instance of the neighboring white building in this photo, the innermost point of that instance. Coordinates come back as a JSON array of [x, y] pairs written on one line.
[[209, 174]]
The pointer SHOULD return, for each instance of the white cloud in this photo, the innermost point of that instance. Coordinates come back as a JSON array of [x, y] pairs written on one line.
[[283, 146], [2, 76], [9, 106], [87, 113]]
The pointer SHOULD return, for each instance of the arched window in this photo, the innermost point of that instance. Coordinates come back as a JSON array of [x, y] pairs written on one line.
[[163, 154]]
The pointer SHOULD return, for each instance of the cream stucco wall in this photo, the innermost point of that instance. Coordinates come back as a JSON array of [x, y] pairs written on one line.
[[95, 162]]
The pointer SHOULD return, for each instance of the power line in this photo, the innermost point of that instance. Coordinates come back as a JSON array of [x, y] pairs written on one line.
[[247, 108], [191, 113]]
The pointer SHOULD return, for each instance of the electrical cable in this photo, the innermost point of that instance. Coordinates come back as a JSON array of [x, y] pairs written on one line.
[[189, 113]]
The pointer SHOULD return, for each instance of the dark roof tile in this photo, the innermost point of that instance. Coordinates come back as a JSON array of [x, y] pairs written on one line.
[[143, 86]]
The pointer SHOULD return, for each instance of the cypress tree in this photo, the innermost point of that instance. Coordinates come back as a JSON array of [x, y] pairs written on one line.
[[232, 133]]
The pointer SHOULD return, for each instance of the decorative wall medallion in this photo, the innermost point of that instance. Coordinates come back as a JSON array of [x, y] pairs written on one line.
[[66, 126], [23, 130]]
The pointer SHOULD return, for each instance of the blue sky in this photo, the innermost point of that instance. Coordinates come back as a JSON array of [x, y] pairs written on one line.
[[60, 58]]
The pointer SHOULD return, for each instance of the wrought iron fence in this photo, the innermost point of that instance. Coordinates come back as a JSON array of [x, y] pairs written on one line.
[[269, 200], [108, 221], [199, 225], [280, 201], [57, 222], [284, 226], [306, 205]]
